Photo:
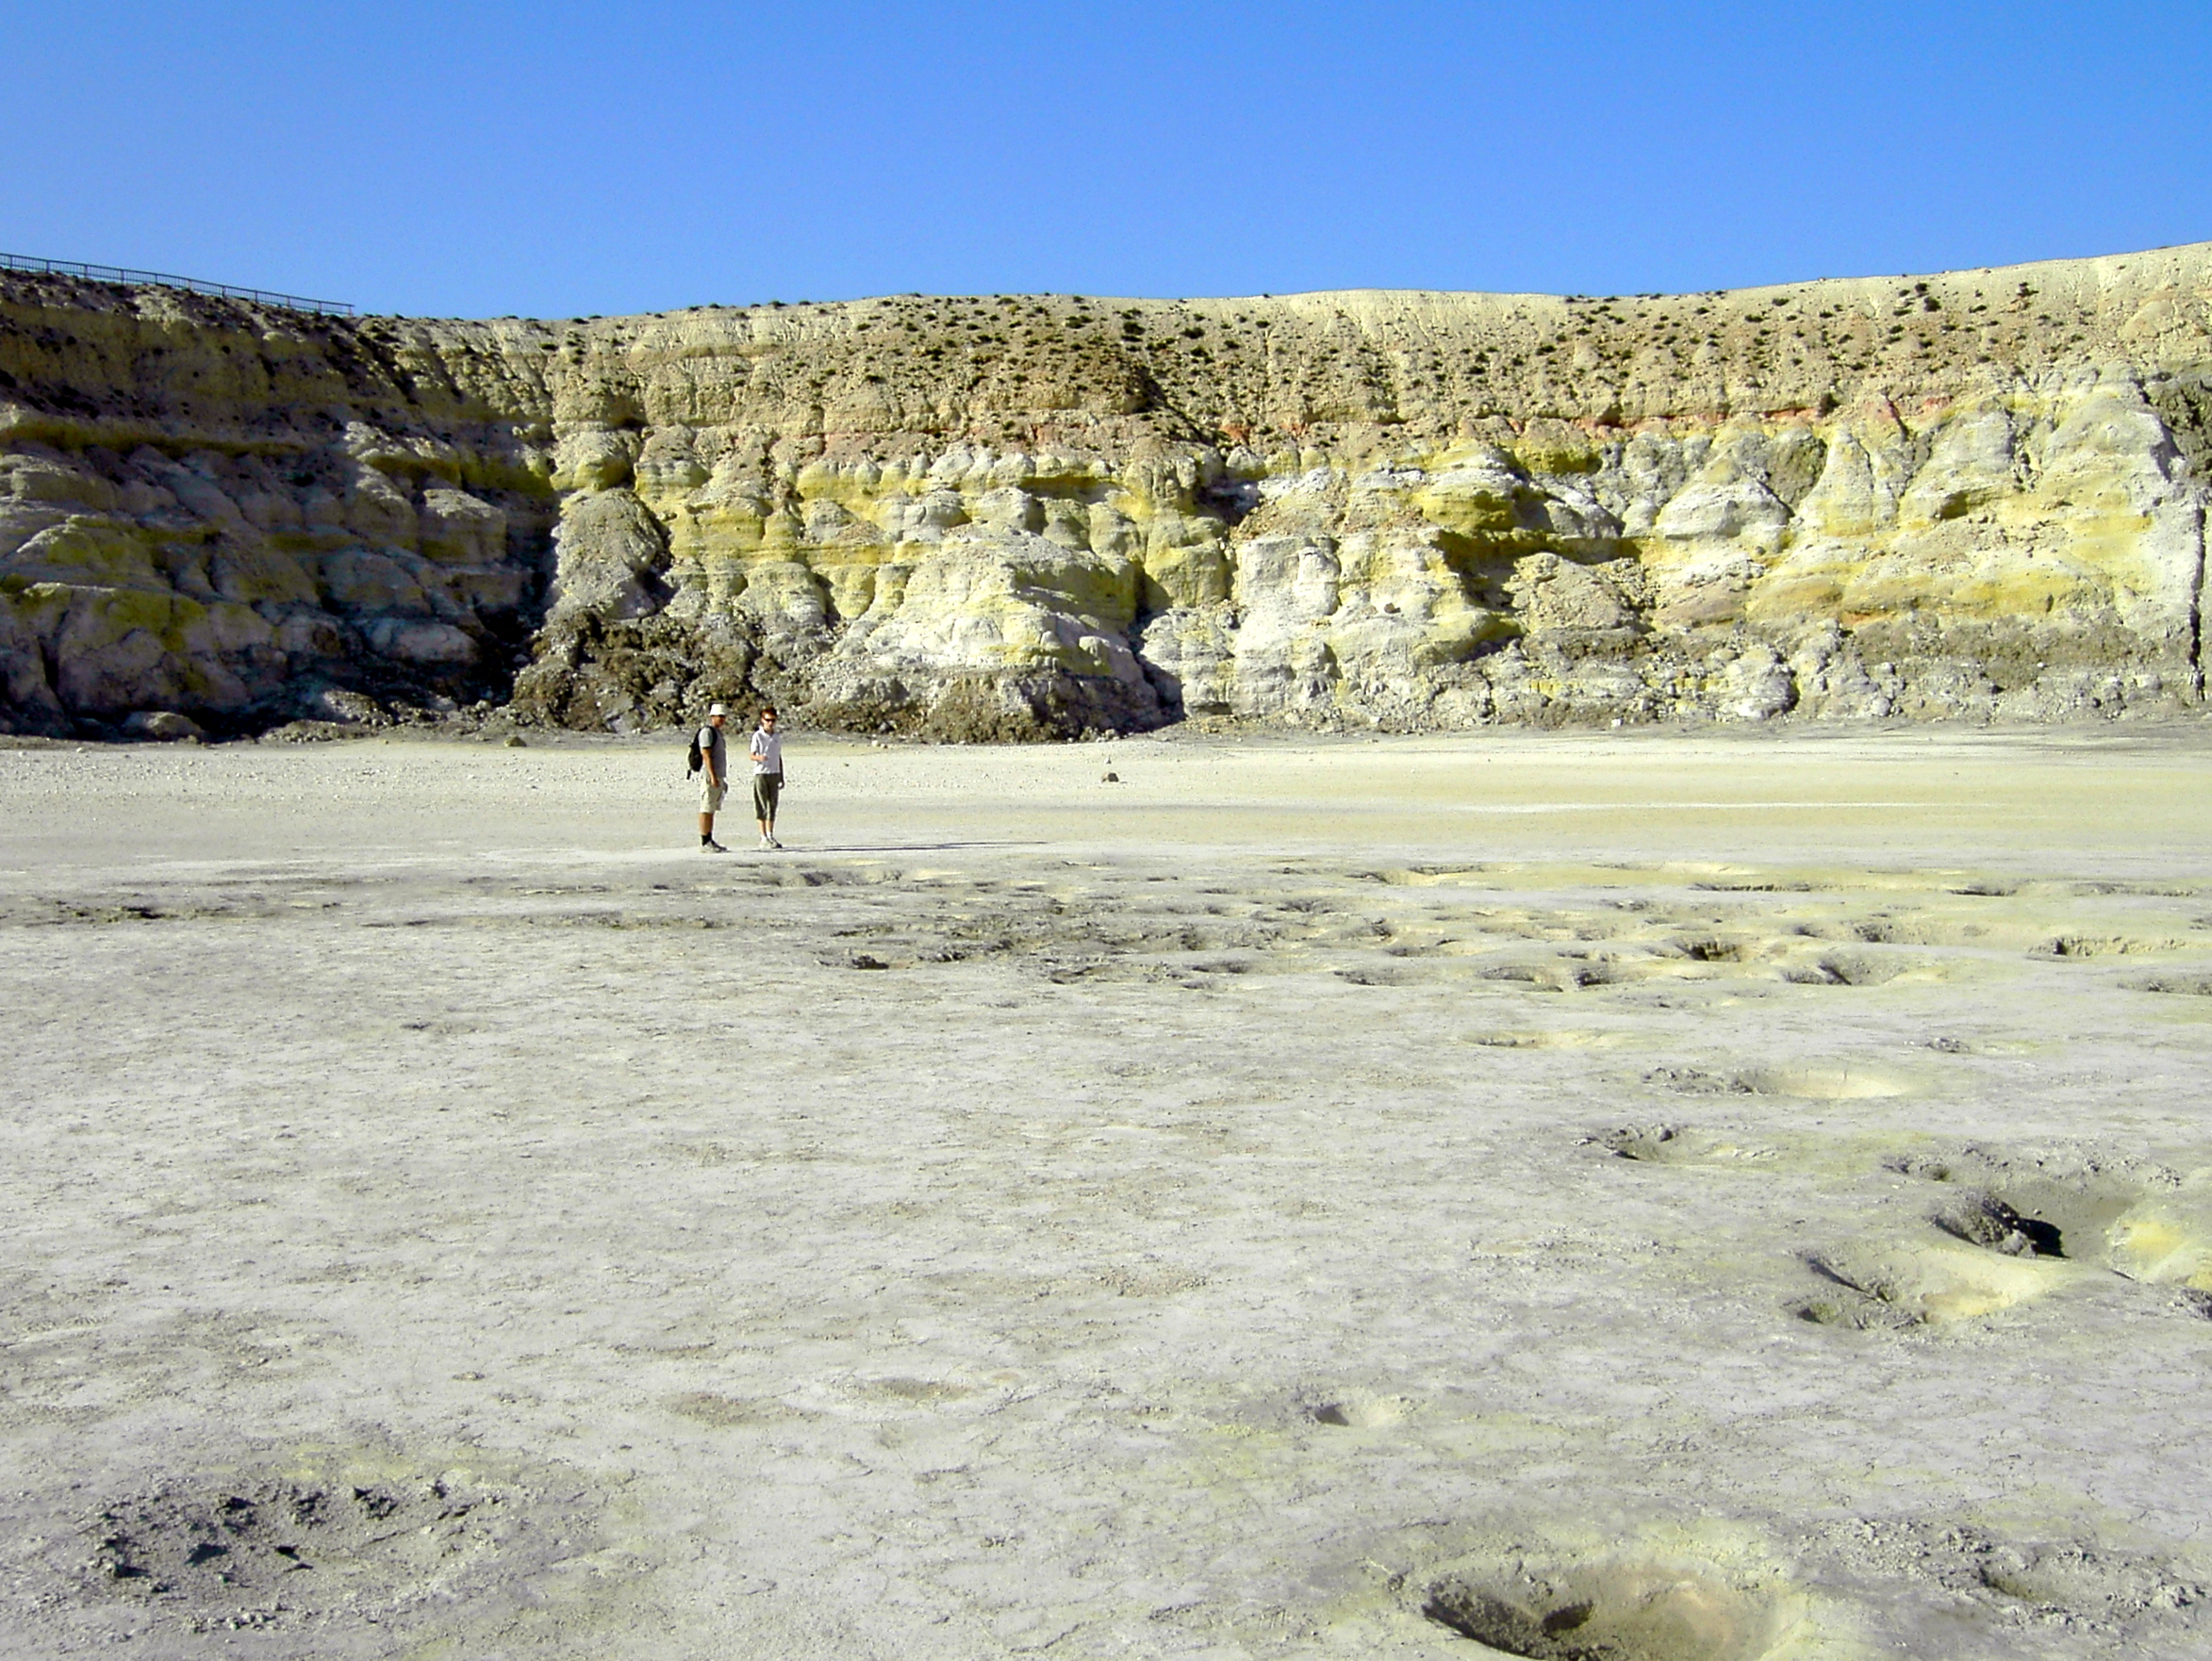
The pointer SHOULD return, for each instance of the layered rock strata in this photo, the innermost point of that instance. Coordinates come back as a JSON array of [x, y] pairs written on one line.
[[1977, 495]]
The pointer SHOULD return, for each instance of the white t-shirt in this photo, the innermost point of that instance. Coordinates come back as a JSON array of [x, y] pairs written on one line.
[[767, 753]]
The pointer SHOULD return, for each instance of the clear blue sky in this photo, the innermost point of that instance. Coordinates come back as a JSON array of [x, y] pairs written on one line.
[[561, 158]]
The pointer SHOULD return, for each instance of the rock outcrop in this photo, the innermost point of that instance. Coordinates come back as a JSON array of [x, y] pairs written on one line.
[[1978, 495]]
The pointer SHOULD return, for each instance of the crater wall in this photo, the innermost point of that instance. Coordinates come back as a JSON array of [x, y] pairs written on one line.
[[1968, 495]]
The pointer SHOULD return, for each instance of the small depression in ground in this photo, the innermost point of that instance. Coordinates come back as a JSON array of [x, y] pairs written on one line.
[[1364, 1411], [1844, 1082], [1673, 1144], [1612, 1612], [1927, 1284]]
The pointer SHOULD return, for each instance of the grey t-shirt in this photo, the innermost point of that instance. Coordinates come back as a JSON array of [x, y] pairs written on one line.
[[713, 748]]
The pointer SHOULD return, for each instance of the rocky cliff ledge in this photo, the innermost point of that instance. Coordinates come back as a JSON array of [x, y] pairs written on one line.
[[1971, 496]]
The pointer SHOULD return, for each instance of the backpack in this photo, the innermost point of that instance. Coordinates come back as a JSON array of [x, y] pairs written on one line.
[[697, 759]]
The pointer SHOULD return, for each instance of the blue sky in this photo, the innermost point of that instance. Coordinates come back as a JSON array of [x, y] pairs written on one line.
[[560, 159]]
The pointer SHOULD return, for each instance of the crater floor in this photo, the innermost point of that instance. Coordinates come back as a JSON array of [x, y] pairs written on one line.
[[1631, 1195]]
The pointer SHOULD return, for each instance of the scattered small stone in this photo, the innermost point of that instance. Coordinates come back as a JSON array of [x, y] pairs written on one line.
[[253, 1551], [515, 741], [1697, 1081], [1984, 1220], [309, 732], [1109, 779]]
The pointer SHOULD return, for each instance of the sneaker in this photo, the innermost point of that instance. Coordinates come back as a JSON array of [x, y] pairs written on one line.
[[710, 845], [773, 843], [765, 843]]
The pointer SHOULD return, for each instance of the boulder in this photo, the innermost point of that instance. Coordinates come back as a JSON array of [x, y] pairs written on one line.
[[424, 645], [609, 554], [164, 725], [345, 707]]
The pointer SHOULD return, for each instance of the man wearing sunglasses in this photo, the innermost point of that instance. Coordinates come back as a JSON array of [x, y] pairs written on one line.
[[767, 776]]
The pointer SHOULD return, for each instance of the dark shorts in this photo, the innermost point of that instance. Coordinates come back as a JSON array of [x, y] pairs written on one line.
[[765, 788]]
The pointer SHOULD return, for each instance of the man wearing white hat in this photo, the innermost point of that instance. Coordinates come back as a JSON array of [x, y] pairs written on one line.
[[713, 752]]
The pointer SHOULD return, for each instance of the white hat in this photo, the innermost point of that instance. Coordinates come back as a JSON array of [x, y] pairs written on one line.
[[716, 710]]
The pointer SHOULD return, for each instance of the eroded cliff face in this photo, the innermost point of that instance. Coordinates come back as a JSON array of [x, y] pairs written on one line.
[[1974, 495]]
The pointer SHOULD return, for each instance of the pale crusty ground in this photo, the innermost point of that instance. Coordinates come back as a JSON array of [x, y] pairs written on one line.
[[1210, 1214]]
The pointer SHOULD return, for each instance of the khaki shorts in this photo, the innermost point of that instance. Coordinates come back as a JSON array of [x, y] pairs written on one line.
[[710, 798], [765, 788]]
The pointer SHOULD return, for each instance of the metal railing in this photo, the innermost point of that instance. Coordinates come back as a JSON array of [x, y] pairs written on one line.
[[115, 273]]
